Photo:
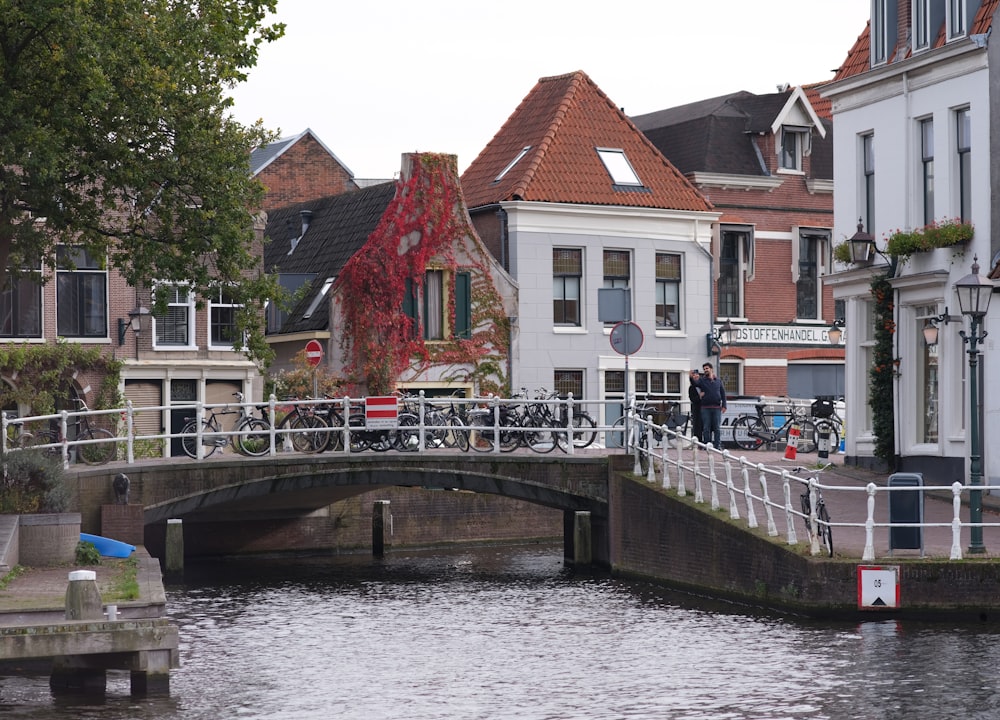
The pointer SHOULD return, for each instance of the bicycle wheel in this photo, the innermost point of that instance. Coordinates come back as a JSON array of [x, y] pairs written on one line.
[[481, 431], [310, 434], [407, 437], [190, 440], [96, 453], [807, 437], [832, 435], [747, 430], [257, 441], [539, 436], [615, 437], [457, 435], [584, 432], [824, 529], [336, 423]]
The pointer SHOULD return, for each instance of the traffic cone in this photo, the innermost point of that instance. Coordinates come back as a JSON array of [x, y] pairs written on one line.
[[793, 441]]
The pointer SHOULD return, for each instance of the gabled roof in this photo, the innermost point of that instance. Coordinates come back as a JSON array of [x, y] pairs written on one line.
[[716, 135], [261, 157], [859, 57], [338, 227], [562, 123]]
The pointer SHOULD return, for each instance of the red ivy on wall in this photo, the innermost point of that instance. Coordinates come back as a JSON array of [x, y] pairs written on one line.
[[421, 227]]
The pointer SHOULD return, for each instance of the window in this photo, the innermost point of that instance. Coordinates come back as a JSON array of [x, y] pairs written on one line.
[[729, 374], [617, 271], [868, 179], [668, 291], [567, 274], [657, 385], [927, 160], [291, 283], [807, 257], [794, 144], [318, 299], [921, 24], [866, 342], [568, 381], [515, 161], [880, 30], [956, 18], [433, 305], [21, 305], [964, 149], [927, 379], [735, 249], [81, 294], [174, 327], [222, 319], [618, 167]]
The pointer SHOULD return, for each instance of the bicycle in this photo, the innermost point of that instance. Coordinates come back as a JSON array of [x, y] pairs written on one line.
[[823, 529], [98, 445], [826, 419], [253, 433], [752, 431]]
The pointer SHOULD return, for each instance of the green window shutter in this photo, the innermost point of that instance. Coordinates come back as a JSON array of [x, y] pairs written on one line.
[[410, 305], [463, 305]]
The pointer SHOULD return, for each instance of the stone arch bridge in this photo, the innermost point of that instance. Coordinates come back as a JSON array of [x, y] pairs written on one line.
[[198, 490]]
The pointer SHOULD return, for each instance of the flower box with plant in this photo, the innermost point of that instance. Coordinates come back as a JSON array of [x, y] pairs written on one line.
[[941, 234]]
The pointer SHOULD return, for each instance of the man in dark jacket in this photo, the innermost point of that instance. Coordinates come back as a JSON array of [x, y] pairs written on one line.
[[694, 395], [713, 404]]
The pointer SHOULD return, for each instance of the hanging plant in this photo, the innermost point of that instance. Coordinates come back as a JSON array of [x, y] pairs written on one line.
[[424, 223]]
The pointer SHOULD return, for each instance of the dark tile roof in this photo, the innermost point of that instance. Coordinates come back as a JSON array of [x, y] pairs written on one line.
[[858, 58], [716, 135], [338, 228], [563, 120]]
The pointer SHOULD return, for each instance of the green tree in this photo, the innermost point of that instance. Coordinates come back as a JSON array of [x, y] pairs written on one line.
[[116, 134]]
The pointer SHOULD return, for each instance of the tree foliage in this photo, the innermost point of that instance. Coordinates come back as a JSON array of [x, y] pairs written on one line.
[[116, 134]]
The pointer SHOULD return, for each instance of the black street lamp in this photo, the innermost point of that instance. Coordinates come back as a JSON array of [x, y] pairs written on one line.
[[974, 294], [719, 337]]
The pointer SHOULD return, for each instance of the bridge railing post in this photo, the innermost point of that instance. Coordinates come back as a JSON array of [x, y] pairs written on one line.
[[495, 404], [64, 437], [569, 423], [129, 432], [346, 430], [199, 429], [421, 415], [272, 430]]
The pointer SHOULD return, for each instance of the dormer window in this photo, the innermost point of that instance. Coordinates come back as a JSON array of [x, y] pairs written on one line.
[[956, 19], [515, 161], [883, 23], [921, 24], [618, 167], [794, 145]]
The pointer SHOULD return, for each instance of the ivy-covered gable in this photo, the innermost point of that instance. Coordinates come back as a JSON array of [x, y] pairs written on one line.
[[423, 299]]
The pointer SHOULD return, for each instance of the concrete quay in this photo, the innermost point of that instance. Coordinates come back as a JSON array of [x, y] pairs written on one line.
[[42, 618]]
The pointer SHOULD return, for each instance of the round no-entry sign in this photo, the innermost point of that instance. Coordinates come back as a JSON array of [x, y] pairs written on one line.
[[314, 352], [626, 338]]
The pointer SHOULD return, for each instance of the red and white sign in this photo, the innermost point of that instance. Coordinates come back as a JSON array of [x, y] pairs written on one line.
[[381, 412], [314, 352]]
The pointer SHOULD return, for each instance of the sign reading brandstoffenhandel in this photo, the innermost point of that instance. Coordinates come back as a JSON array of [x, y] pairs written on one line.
[[381, 412], [779, 335], [878, 587]]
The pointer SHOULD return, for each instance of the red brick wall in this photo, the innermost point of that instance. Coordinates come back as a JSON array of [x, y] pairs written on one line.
[[305, 171]]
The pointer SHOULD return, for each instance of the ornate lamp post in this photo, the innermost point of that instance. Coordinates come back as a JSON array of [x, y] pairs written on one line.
[[974, 294]]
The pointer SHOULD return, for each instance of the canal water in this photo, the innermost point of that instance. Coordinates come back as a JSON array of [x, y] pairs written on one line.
[[509, 632]]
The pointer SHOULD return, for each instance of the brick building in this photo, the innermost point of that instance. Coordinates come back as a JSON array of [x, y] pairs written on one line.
[[765, 162]]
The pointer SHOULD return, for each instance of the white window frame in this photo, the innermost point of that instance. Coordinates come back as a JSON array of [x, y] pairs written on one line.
[[515, 161], [801, 138], [215, 301], [189, 306], [880, 32], [920, 12], [956, 20]]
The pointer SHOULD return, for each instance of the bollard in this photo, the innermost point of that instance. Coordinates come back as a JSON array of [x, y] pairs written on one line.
[[791, 448], [174, 561], [823, 446], [111, 613], [83, 600]]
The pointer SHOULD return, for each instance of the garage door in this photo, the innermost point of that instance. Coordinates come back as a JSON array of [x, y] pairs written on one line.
[[144, 394], [808, 381]]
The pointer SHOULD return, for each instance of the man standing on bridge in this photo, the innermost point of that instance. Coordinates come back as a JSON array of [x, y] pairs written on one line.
[[713, 404]]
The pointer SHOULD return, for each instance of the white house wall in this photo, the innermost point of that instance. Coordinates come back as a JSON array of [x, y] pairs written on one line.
[[535, 229]]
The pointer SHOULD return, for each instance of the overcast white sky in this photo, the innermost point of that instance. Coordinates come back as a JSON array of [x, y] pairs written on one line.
[[375, 79]]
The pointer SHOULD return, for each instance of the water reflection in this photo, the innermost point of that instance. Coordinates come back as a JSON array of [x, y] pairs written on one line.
[[510, 633]]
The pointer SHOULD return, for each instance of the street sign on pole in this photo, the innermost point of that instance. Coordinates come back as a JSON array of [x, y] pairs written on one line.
[[314, 352], [381, 412]]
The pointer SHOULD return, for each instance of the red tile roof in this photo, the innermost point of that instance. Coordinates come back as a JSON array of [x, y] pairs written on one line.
[[563, 120], [821, 105], [859, 57]]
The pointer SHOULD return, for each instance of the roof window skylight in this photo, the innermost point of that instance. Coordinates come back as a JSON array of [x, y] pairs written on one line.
[[618, 166], [513, 162], [318, 299]]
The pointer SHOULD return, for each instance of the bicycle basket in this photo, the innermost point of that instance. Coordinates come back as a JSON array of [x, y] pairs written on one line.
[[822, 408]]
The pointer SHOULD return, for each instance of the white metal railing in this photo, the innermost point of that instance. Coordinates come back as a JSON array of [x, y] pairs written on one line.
[[677, 460], [671, 458]]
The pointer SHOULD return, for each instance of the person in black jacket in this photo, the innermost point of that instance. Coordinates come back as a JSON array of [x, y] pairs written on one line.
[[713, 404], [694, 395]]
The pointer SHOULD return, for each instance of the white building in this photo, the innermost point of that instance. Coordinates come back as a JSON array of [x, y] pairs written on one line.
[[912, 146]]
